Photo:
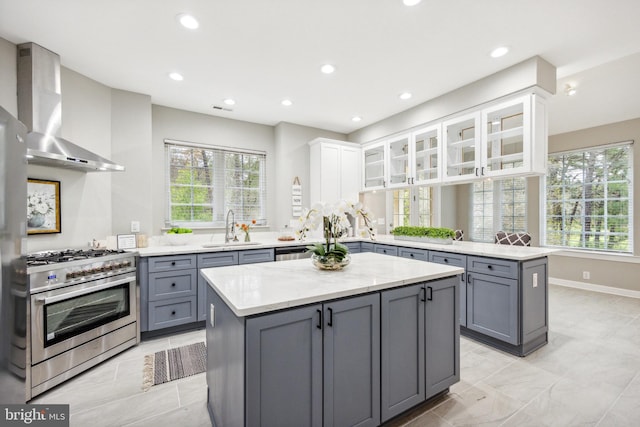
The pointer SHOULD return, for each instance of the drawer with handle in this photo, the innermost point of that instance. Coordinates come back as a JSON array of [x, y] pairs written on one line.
[[172, 284], [173, 262], [419, 254], [178, 311], [493, 266]]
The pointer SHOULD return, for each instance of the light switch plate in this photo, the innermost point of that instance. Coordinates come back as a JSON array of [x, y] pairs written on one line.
[[135, 226]]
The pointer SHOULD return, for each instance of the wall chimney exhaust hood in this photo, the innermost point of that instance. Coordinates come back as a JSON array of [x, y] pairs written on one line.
[[40, 109]]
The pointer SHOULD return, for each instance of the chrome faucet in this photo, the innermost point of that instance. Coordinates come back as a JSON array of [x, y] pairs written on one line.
[[230, 232]]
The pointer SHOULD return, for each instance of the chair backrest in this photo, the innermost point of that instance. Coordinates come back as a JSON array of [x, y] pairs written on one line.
[[513, 239], [459, 235]]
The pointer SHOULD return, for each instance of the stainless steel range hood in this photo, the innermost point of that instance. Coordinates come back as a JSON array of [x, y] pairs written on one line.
[[40, 109]]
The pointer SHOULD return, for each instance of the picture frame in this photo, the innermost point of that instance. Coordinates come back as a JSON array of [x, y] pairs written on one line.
[[126, 241], [43, 207], [296, 200]]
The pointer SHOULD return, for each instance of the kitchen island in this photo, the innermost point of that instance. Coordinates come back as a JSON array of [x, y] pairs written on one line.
[[291, 345]]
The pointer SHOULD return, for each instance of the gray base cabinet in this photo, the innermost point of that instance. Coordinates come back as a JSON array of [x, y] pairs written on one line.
[[352, 362], [420, 350], [507, 303], [456, 260], [172, 293], [317, 365], [356, 361]]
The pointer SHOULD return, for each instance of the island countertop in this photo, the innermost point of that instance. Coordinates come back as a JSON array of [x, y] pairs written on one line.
[[259, 288]]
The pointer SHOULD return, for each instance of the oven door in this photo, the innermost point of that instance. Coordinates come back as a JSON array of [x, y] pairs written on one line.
[[65, 318]]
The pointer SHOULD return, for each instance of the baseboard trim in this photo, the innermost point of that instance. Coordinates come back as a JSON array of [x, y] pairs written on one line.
[[595, 288]]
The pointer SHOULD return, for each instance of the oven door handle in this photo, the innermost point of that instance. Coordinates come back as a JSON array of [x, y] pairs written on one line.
[[80, 292]]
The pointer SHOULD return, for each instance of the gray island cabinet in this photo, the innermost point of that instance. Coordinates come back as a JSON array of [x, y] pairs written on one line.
[[288, 345]]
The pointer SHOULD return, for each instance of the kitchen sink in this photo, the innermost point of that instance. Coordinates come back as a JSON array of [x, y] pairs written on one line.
[[230, 244]]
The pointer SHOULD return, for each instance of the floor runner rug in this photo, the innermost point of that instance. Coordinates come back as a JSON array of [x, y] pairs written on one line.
[[174, 363]]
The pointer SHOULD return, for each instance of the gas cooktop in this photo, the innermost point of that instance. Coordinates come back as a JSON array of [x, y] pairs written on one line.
[[66, 255]]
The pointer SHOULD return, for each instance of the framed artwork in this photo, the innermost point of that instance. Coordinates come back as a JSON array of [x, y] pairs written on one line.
[[296, 200], [43, 206]]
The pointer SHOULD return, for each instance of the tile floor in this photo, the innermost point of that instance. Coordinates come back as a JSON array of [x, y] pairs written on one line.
[[587, 375]]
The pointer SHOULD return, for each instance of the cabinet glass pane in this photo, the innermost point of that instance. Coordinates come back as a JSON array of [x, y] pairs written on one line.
[[374, 167], [504, 148], [426, 159], [461, 148], [398, 161]]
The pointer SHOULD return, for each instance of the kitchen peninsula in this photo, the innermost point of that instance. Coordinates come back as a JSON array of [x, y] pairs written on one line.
[[291, 345]]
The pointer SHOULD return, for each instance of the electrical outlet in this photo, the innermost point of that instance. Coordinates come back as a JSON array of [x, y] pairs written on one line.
[[586, 275], [212, 315], [534, 279], [135, 226]]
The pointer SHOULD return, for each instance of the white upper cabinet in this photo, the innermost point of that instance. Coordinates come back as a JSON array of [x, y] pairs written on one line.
[[334, 171], [426, 150], [374, 171], [505, 139], [399, 161]]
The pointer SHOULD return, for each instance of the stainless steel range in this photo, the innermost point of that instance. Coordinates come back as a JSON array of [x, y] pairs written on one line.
[[83, 309]]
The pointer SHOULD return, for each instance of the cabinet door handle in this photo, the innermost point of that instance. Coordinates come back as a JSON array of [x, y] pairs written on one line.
[[462, 278], [446, 260], [468, 278], [423, 293], [476, 171], [173, 263], [490, 267], [173, 313], [319, 324], [411, 255], [482, 171], [173, 285], [330, 322], [430, 295]]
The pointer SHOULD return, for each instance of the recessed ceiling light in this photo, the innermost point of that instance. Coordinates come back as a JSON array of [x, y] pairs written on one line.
[[176, 76], [499, 51], [405, 95], [229, 101], [188, 21], [287, 102], [411, 2], [356, 118], [328, 68], [570, 89]]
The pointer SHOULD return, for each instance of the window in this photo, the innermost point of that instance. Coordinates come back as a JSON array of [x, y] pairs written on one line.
[[204, 182], [588, 202], [498, 206], [413, 206]]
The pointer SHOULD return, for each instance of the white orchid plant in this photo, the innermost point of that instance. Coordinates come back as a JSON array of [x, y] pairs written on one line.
[[335, 224]]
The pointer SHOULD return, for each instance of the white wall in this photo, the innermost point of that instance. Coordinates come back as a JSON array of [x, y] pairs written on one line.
[[86, 205], [292, 159], [131, 146], [169, 123], [8, 77]]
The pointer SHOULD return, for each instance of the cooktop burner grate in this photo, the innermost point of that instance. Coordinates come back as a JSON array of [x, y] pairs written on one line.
[[53, 257]]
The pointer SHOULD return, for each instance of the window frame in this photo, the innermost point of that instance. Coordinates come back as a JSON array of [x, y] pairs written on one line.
[[261, 222], [496, 204], [630, 189]]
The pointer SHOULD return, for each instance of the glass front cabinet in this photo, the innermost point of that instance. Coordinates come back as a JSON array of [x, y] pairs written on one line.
[[505, 139], [404, 160], [374, 166], [425, 147]]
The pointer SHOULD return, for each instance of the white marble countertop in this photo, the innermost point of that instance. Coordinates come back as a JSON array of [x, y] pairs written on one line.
[[259, 288], [199, 244]]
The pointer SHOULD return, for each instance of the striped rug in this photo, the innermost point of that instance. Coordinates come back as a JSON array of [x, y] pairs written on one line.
[[174, 363]]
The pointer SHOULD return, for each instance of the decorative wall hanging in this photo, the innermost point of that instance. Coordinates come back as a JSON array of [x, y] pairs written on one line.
[[43, 206]]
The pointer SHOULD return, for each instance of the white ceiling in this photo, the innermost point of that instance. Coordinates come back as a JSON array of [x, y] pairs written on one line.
[[259, 52]]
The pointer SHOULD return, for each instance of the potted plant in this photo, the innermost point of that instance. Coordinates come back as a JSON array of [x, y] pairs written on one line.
[[177, 236], [330, 254], [440, 235]]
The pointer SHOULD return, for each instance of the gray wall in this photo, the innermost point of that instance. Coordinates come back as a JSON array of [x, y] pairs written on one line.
[[624, 272]]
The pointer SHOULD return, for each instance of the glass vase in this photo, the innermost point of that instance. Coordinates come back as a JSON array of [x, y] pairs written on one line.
[[330, 263]]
